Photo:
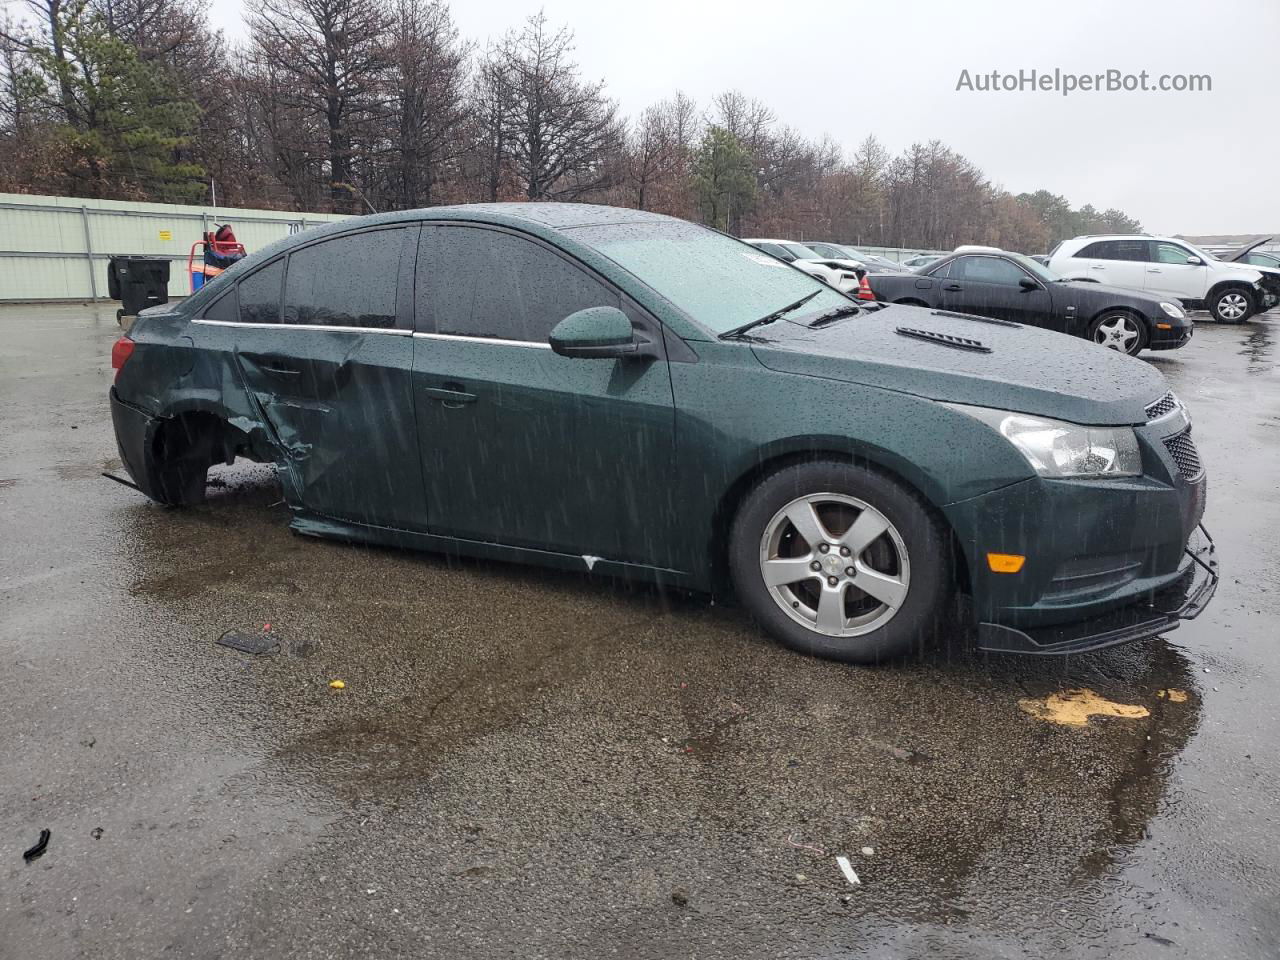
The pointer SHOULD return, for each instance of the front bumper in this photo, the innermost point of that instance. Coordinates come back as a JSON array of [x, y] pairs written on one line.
[[1176, 336], [1183, 599]]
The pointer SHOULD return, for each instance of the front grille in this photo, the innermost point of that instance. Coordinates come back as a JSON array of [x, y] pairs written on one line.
[[1185, 455], [1164, 405]]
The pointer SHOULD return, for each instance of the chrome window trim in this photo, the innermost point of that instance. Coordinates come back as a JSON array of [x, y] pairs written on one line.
[[494, 340], [394, 331]]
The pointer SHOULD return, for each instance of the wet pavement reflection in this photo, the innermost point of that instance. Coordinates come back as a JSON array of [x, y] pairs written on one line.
[[531, 763]]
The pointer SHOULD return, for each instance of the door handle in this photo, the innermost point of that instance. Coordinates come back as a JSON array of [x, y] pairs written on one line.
[[953, 286], [1097, 266], [281, 371], [451, 398], [1153, 270]]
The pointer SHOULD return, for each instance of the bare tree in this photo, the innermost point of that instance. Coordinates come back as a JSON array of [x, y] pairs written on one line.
[[331, 55], [428, 63], [557, 131]]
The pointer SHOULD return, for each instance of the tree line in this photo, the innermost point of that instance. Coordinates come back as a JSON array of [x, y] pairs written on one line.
[[352, 106]]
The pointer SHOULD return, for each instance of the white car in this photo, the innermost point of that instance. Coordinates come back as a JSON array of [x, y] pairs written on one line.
[[844, 275], [1169, 267]]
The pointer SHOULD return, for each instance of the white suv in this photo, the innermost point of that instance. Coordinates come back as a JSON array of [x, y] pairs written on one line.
[[1168, 267]]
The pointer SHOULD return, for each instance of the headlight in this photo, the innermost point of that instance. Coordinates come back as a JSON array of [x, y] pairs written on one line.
[[1173, 310], [1055, 448]]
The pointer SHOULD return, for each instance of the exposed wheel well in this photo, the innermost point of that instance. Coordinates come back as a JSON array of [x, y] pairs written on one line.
[[1226, 285], [192, 431], [727, 509]]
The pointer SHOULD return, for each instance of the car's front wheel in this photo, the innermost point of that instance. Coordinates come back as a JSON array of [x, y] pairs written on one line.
[[840, 561], [1232, 305], [1119, 331]]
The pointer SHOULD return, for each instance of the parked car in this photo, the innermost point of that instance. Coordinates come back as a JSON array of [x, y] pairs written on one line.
[[1168, 267], [619, 392], [1010, 286], [844, 275], [872, 262], [923, 260], [1268, 261]]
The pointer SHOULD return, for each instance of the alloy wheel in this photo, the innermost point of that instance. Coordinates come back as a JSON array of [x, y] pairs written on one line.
[[835, 564], [1119, 332], [1233, 306]]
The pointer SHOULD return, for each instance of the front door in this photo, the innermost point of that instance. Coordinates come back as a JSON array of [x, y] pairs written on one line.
[[1169, 274], [992, 287], [330, 371], [521, 446]]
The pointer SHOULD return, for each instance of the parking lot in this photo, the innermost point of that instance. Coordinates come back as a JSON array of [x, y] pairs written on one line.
[[534, 764]]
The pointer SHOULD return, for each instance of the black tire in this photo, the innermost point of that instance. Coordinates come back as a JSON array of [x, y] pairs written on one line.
[[921, 615], [1130, 321], [1223, 304]]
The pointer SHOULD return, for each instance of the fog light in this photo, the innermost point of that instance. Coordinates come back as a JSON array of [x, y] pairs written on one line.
[[1005, 562]]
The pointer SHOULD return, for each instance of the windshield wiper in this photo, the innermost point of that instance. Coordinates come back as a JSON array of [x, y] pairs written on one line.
[[769, 317], [822, 319]]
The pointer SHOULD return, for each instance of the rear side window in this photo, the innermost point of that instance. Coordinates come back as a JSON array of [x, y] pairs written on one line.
[[1116, 250], [345, 282], [224, 308], [486, 283], [260, 294]]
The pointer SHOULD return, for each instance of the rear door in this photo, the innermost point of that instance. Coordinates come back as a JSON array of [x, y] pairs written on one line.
[[1169, 274], [326, 356], [992, 287], [1120, 263], [521, 446]]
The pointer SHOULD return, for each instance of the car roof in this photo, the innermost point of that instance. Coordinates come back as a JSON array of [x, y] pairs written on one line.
[[976, 248]]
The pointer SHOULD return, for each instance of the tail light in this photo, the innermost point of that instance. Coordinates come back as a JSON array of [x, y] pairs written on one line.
[[864, 289], [121, 351]]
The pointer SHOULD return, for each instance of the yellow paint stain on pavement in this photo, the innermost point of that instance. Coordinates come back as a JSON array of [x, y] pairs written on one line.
[[1173, 696], [1073, 708]]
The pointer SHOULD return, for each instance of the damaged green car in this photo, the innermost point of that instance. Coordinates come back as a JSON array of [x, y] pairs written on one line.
[[621, 392]]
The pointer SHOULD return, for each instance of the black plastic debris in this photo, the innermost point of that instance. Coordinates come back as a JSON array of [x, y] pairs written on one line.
[[38, 850], [261, 644]]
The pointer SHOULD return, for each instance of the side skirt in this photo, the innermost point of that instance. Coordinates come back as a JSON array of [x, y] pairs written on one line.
[[317, 525]]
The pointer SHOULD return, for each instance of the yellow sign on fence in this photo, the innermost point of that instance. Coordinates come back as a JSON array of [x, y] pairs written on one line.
[[166, 234]]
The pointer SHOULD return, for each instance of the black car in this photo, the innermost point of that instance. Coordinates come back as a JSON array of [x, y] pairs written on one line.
[[1010, 286]]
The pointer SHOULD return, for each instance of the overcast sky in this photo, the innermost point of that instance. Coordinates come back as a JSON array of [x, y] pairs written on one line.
[[1192, 163]]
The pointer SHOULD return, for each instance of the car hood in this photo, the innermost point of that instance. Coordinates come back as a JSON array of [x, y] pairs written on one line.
[[1245, 250], [961, 359]]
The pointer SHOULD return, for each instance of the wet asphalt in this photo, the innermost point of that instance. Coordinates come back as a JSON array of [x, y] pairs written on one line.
[[533, 764]]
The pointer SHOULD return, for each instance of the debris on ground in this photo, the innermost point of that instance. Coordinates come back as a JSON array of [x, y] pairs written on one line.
[[847, 869], [1174, 696], [39, 849], [812, 848], [680, 897], [899, 753], [1073, 708], [868, 851], [338, 684], [261, 644], [96, 833]]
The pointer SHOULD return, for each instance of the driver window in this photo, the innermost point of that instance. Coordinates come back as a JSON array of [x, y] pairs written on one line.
[[988, 270], [1172, 253]]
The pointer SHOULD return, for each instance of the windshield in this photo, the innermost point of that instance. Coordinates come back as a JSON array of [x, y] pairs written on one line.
[[853, 254], [1034, 267], [719, 282]]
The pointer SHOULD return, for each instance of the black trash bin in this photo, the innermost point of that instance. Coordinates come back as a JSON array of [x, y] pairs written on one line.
[[138, 282]]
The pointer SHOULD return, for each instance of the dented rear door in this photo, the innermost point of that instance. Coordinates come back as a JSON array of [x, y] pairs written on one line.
[[332, 378]]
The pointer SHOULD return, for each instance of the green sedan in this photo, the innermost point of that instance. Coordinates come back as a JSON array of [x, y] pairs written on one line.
[[632, 395]]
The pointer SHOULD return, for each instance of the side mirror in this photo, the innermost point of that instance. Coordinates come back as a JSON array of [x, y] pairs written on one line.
[[596, 332], [1026, 283], [1195, 261]]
